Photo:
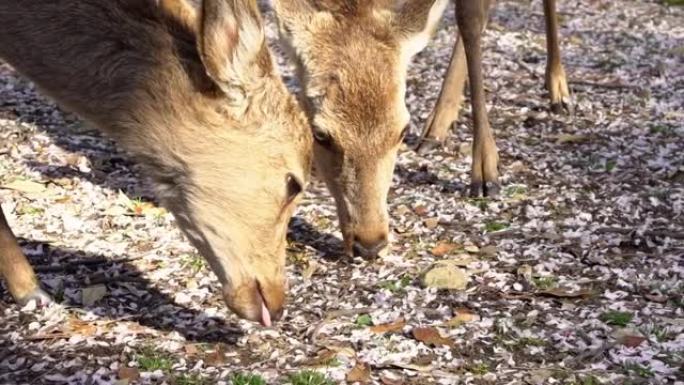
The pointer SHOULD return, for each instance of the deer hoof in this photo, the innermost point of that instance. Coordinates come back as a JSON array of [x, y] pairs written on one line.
[[564, 106], [40, 297], [486, 189]]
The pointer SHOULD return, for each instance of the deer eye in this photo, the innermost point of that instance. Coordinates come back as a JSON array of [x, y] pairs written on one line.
[[322, 136], [294, 187]]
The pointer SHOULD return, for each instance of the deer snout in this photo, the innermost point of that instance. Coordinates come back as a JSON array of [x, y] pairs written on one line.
[[256, 300], [371, 246]]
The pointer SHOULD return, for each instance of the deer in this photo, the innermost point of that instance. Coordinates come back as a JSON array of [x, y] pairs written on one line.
[[466, 57], [351, 59], [195, 97]]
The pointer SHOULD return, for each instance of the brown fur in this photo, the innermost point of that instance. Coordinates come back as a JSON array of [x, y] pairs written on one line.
[[352, 58], [197, 102]]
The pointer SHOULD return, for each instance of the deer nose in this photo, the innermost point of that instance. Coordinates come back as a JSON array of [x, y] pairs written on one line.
[[370, 249]]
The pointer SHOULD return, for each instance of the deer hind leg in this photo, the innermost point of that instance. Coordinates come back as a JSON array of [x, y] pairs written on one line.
[[471, 17], [15, 269], [449, 102], [556, 82]]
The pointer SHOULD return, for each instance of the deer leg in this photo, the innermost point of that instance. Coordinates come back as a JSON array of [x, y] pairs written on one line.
[[471, 17], [556, 82], [449, 102], [15, 269]]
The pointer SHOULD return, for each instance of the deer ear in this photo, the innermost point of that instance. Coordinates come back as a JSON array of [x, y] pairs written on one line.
[[181, 12], [232, 43], [416, 21]]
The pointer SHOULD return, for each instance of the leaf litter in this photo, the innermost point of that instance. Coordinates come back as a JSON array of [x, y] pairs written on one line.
[[574, 276]]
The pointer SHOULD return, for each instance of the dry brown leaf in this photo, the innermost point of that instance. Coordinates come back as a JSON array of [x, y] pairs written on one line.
[[489, 250], [81, 327], [629, 337], [128, 374], [311, 268], [655, 297], [431, 223], [191, 349], [323, 358], [463, 315], [216, 357], [359, 373], [24, 186], [420, 210], [423, 360], [431, 336], [443, 248], [394, 326], [632, 341]]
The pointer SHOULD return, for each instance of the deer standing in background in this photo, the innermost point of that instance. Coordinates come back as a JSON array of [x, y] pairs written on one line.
[[197, 100], [471, 17]]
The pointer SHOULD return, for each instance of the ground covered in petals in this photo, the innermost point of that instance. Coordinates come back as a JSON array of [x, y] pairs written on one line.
[[573, 276]]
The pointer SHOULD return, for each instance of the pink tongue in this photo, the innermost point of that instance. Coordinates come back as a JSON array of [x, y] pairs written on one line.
[[265, 315]]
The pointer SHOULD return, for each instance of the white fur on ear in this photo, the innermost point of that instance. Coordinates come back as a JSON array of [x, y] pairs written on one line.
[[232, 43], [417, 37]]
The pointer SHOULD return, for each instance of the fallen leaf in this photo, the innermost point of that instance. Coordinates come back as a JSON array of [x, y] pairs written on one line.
[[343, 349], [517, 166], [471, 248], [564, 293], [423, 360], [191, 349], [91, 294], [568, 138], [216, 357], [443, 248], [632, 341], [311, 268], [24, 186], [81, 327], [465, 148], [525, 271], [539, 377], [389, 378], [656, 297], [462, 260], [446, 275], [393, 326], [129, 374], [420, 210], [359, 373], [431, 336], [628, 337], [463, 315], [489, 251], [323, 358], [431, 223]]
